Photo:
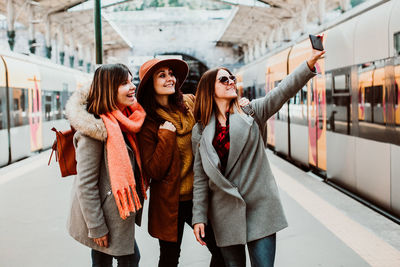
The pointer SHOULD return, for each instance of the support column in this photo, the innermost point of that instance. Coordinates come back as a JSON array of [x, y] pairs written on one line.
[[251, 51], [303, 18], [71, 51], [321, 11], [10, 24], [61, 45], [270, 40], [246, 53], [278, 35], [288, 31], [89, 57], [48, 37], [264, 41], [345, 5], [31, 19], [97, 31], [80, 55], [257, 46]]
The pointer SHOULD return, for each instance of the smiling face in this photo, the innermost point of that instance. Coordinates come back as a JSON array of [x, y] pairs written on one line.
[[126, 94], [225, 90], [164, 81]]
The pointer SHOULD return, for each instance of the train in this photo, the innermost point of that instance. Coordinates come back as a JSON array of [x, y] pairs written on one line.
[[345, 123], [33, 94]]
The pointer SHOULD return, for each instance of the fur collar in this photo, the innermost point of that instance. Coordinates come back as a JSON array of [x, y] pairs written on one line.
[[82, 120]]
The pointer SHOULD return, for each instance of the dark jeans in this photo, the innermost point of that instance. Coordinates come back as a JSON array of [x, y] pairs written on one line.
[[170, 251], [261, 251], [100, 259]]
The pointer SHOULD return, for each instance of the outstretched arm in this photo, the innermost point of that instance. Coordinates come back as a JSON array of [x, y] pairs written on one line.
[[267, 106]]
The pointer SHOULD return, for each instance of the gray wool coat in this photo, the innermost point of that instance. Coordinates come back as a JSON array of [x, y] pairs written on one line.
[[244, 204], [93, 211]]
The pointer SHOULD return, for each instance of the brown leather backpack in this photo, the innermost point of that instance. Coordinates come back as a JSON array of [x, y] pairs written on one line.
[[65, 151]]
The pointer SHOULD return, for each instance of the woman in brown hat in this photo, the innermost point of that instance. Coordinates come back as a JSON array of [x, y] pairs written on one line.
[[166, 149]]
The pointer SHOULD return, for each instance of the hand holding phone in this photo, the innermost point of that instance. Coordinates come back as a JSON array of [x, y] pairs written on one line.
[[316, 42]]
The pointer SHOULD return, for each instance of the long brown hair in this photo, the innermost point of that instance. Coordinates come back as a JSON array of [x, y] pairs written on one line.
[[204, 106], [103, 92], [146, 98]]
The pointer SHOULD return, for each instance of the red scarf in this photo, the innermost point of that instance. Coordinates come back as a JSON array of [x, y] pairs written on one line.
[[122, 177]]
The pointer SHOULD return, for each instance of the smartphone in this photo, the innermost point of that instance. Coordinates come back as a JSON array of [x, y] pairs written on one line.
[[316, 42]]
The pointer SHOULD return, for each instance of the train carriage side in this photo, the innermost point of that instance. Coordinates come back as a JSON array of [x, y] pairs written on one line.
[[276, 70], [4, 143], [25, 107], [394, 107], [57, 84], [362, 101], [38, 91]]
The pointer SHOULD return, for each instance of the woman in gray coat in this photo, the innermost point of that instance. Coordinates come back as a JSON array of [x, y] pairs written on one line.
[[233, 183], [109, 188]]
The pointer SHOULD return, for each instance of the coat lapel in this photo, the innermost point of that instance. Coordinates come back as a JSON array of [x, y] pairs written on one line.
[[211, 162], [239, 129], [208, 136]]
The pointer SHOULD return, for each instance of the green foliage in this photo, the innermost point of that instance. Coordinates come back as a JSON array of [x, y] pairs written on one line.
[[174, 3], [191, 4], [154, 3], [356, 2]]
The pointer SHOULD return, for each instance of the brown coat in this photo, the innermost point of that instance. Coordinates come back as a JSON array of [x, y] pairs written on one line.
[[162, 164]]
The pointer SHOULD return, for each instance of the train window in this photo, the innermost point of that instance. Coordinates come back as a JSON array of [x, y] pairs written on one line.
[[396, 38], [57, 106], [19, 107], [373, 99], [340, 83], [64, 96], [303, 93], [47, 106], [328, 81]]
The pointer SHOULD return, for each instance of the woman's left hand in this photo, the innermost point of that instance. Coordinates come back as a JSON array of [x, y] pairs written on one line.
[[244, 102], [199, 233], [316, 54]]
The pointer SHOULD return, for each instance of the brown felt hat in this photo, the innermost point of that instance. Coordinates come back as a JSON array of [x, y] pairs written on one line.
[[179, 67]]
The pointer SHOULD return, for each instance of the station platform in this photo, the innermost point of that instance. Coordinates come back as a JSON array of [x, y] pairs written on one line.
[[326, 227]]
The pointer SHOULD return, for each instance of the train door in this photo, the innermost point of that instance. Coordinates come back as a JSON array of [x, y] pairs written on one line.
[[24, 83], [317, 118], [4, 118], [271, 121]]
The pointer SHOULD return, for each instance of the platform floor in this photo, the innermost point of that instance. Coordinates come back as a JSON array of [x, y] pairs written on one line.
[[326, 228]]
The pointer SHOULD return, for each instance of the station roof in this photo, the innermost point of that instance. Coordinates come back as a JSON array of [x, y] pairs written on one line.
[[250, 20], [76, 24]]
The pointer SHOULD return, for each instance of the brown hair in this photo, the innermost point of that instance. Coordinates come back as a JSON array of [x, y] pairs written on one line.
[[103, 92], [204, 106], [146, 98]]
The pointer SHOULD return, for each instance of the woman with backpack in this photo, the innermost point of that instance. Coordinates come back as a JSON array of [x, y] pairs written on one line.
[[109, 188], [234, 187], [166, 149]]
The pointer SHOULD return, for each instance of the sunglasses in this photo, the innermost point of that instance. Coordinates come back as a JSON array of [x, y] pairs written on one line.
[[225, 79]]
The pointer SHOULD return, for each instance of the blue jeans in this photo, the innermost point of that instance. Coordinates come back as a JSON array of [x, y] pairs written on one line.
[[261, 251], [170, 251], [100, 259]]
